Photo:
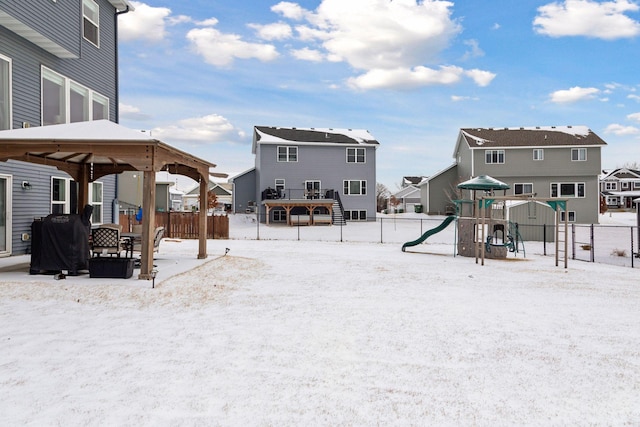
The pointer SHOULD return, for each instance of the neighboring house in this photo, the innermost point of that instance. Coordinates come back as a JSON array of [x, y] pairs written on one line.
[[310, 171], [222, 191], [58, 64], [554, 161], [406, 199], [412, 180], [620, 187]]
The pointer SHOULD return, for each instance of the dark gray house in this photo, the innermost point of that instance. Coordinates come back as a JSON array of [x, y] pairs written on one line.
[[58, 64], [326, 175], [549, 161]]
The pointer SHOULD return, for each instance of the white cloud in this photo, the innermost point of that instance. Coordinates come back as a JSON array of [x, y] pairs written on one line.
[[634, 97], [207, 129], [276, 31], [211, 22], [388, 40], [130, 112], [621, 130], [289, 10], [474, 49], [406, 78], [573, 94], [221, 49], [145, 23], [307, 54], [482, 78], [606, 20], [634, 116], [457, 98]]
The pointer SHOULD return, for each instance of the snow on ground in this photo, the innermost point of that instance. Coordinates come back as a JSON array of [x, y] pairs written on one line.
[[288, 332]]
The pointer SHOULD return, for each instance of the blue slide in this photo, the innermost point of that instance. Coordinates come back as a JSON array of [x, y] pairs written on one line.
[[448, 220]]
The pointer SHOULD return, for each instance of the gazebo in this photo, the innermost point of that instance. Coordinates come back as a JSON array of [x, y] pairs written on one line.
[[90, 150]]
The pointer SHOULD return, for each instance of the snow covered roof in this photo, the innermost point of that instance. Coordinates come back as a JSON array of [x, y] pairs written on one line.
[[278, 135], [538, 136]]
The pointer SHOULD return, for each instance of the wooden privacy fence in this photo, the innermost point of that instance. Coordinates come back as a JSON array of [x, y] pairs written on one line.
[[183, 225]]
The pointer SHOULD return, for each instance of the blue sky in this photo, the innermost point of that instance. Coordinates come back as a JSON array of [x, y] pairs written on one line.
[[199, 74]]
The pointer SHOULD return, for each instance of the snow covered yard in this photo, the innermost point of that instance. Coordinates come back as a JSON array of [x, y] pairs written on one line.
[[326, 333]]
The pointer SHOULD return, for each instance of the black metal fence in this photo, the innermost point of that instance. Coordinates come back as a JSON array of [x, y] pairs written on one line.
[[616, 245]]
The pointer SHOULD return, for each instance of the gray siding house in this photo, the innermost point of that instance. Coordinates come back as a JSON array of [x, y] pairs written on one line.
[[553, 161], [620, 188], [58, 64], [295, 165]]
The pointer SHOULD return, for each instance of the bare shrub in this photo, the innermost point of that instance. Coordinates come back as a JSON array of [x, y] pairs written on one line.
[[619, 252]]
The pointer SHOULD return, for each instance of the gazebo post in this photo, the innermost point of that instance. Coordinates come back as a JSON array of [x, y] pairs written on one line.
[[202, 217], [148, 224]]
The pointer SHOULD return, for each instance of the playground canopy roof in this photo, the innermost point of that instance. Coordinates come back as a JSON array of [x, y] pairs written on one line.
[[483, 182]]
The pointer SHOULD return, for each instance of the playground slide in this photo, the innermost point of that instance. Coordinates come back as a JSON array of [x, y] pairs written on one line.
[[448, 220]]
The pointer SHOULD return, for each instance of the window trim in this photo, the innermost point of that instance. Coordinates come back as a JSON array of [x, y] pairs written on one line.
[[499, 154], [571, 214], [361, 214], [346, 187], [579, 151], [96, 203], [515, 188], [540, 156], [67, 84], [66, 203], [577, 186], [91, 4], [611, 185], [289, 154], [355, 155], [9, 100]]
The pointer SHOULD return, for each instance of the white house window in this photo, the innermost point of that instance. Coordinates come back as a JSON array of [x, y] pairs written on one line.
[[54, 106], [5, 93], [572, 216], [100, 106], [578, 154], [355, 187], [538, 154], [522, 188], [569, 189], [625, 185], [279, 215], [636, 185], [280, 186], [91, 21], [610, 185], [78, 103], [66, 101], [287, 154], [494, 156], [95, 195], [355, 215], [60, 195], [356, 155]]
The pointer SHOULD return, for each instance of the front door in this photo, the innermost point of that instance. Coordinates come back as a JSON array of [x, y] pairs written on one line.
[[312, 189], [5, 215]]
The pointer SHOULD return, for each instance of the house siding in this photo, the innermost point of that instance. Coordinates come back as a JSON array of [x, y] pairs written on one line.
[[28, 205], [94, 68], [244, 191], [324, 163], [436, 200]]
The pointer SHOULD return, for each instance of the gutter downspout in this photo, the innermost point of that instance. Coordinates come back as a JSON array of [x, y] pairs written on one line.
[[115, 209]]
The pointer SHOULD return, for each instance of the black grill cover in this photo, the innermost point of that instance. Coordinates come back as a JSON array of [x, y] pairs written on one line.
[[61, 242]]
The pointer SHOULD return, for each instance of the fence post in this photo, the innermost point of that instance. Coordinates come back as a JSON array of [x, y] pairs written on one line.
[[591, 242], [632, 254], [381, 219], [341, 222], [258, 224], [544, 239], [298, 226], [573, 240]]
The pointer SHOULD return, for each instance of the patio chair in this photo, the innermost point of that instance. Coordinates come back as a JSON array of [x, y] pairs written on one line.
[[158, 234], [105, 240]]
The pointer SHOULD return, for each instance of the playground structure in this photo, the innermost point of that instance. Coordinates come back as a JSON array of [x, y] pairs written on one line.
[[483, 229]]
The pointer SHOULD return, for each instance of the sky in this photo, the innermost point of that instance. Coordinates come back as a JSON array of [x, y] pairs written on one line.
[[200, 74]]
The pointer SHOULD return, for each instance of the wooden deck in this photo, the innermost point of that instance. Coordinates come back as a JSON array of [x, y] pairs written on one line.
[[309, 204]]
